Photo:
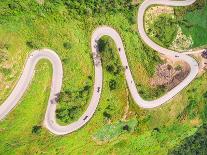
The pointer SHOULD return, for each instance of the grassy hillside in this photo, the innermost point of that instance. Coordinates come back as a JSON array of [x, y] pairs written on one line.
[[195, 144], [193, 22], [163, 29], [65, 28]]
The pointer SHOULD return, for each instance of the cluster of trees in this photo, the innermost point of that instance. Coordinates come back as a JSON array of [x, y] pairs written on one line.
[[111, 64], [107, 50], [72, 103], [74, 7], [195, 144], [89, 7]]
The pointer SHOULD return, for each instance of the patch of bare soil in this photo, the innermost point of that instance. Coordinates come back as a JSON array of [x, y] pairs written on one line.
[[181, 42], [127, 113], [170, 74], [40, 1]]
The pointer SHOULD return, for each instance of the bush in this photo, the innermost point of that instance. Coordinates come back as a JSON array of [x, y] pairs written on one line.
[[112, 84], [67, 114], [71, 102], [106, 115], [110, 68], [89, 7], [205, 95], [178, 68], [67, 45], [36, 129], [32, 45]]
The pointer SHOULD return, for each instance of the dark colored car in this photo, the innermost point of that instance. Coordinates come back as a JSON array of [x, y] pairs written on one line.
[[85, 118], [98, 90]]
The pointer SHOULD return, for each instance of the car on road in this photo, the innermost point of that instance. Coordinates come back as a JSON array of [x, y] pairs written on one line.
[[98, 89], [85, 118], [52, 102]]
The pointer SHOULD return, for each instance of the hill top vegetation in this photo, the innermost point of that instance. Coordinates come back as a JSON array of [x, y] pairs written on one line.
[[65, 28]]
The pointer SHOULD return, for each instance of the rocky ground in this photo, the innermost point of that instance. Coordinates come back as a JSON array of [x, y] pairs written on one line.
[[170, 74]]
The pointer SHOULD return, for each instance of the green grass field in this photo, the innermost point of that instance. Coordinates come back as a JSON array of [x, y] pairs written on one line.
[[25, 26], [192, 20], [163, 29], [195, 25]]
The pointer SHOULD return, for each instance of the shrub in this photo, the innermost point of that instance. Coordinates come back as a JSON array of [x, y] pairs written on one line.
[[126, 127], [110, 68], [36, 129], [106, 115], [205, 95], [67, 45], [112, 84], [32, 44], [6, 71], [178, 68]]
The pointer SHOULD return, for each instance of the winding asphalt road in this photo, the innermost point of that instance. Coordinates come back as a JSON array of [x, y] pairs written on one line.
[[50, 117]]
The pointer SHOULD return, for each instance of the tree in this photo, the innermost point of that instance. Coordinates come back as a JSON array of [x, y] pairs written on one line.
[[126, 127]]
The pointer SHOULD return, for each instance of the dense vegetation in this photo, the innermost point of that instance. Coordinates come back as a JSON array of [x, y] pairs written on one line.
[[88, 7], [195, 144], [67, 111], [193, 21], [64, 27], [163, 30]]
